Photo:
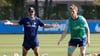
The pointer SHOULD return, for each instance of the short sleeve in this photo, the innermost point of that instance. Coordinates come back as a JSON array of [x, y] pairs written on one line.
[[84, 21], [67, 24], [41, 22], [21, 21]]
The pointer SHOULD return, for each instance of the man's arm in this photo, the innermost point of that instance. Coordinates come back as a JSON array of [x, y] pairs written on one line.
[[49, 26], [65, 32], [88, 35], [15, 24], [62, 36], [87, 30], [7, 22]]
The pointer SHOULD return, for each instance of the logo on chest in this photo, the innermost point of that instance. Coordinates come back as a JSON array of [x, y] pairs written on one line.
[[75, 26], [31, 24]]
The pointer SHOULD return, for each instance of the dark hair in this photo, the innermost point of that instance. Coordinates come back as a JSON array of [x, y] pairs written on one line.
[[73, 6], [31, 9]]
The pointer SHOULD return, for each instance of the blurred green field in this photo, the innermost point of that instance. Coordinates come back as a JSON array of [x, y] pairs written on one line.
[[11, 43]]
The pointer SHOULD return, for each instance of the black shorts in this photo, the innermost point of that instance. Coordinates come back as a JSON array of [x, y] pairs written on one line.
[[28, 45], [78, 42]]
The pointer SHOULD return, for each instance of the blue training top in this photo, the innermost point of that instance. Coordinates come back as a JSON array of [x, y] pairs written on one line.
[[31, 27]]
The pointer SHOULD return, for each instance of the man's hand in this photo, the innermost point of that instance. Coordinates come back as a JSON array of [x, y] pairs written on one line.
[[59, 43], [88, 43], [7, 22]]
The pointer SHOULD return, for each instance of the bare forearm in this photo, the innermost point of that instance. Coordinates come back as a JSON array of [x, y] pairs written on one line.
[[63, 35], [88, 34], [11, 23], [49, 26], [15, 24]]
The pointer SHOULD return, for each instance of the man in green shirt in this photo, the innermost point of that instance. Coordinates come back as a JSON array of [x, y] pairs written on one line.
[[80, 33]]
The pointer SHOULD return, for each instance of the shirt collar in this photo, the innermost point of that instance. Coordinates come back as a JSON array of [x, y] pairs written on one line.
[[32, 18]]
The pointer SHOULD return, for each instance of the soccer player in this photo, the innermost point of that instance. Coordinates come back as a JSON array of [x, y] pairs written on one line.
[[80, 33], [31, 24]]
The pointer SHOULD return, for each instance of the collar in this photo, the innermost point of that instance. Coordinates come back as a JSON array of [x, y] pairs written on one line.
[[32, 18]]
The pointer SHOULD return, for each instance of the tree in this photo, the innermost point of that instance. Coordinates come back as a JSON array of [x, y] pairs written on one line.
[[4, 9], [97, 2], [49, 9], [36, 8], [18, 8], [45, 9], [3, 3]]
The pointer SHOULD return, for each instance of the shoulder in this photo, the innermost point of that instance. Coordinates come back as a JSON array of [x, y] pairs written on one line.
[[67, 22], [83, 18], [69, 19], [80, 16], [37, 18], [25, 19]]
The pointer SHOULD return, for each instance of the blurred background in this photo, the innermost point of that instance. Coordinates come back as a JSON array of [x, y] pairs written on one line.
[[48, 9], [51, 12]]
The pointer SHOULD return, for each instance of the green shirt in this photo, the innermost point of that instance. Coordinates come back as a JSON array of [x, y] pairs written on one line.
[[77, 27]]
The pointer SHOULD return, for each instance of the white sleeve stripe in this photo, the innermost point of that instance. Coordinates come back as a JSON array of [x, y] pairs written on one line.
[[85, 22], [67, 24]]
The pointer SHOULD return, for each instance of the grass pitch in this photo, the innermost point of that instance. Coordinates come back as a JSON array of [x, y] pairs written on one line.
[[12, 43]]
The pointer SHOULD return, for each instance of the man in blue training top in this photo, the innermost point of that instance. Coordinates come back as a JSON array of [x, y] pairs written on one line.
[[31, 24]]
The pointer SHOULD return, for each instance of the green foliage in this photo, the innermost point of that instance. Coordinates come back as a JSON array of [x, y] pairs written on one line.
[[91, 11], [16, 9], [97, 2], [4, 3], [11, 9], [4, 12]]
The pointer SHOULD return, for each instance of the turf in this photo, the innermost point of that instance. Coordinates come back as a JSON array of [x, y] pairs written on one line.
[[12, 43]]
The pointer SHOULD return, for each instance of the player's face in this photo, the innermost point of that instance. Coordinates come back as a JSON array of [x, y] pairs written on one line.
[[31, 13], [73, 11]]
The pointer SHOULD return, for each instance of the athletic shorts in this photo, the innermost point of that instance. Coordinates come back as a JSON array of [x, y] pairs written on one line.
[[27, 45], [78, 42]]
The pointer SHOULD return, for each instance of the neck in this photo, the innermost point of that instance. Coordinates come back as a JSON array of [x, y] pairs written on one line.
[[75, 16], [32, 16]]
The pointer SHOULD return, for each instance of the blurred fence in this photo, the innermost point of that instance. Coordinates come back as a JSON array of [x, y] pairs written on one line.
[[8, 29]]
